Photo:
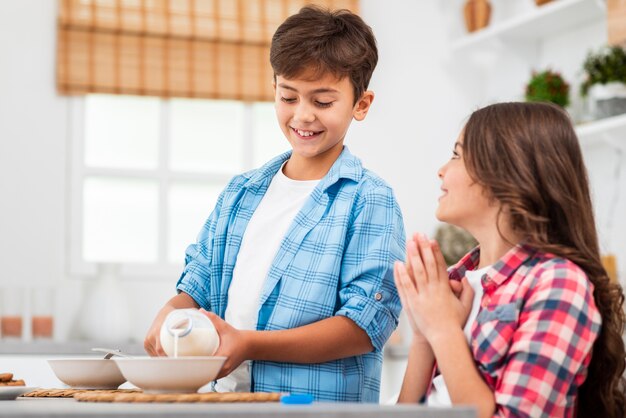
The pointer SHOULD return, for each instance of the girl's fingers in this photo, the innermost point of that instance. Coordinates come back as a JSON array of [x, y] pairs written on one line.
[[399, 284], [456, 287], [428, 258], [442, 266], [417, 266], [407, 263], [467, 294], [402, 292], [411, 289], [404, 278]]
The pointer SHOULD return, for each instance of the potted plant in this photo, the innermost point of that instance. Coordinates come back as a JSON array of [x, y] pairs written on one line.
[[548, 86], [605, 81]]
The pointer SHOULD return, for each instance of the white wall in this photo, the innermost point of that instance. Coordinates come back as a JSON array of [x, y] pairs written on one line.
[[419, 105], [32, 157], [423, 94], [33, 149], [34, 179]]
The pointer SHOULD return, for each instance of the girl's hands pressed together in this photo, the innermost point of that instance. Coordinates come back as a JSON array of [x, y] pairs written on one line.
[[434, 305]]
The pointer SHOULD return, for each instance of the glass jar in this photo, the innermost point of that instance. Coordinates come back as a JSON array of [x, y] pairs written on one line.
[[188, 332]]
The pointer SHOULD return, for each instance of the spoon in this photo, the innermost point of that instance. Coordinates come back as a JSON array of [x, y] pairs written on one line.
[[110, 352]]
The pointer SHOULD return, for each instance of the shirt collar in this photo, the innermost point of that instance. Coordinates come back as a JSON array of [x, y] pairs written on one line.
[[346, 166], [499, 272]]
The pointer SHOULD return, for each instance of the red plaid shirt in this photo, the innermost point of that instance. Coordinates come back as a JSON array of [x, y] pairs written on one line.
[[534, 332]]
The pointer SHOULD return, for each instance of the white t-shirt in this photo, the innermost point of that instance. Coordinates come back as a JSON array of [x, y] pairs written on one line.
[[439, 396], [282, 201]]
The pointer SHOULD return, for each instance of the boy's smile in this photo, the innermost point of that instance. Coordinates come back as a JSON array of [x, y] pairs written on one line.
[[304, 134], [315, 113]]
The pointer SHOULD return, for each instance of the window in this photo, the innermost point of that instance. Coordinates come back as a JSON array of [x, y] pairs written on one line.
[[146, 173]]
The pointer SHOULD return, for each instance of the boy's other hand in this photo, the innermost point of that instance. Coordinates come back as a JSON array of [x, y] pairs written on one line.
[[152, 342], [233, 344]]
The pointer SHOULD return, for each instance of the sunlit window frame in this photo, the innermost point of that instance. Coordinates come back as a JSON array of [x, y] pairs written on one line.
[[162, 269]]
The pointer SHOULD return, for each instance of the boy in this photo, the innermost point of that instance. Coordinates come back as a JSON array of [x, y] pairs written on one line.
[[297, 255]]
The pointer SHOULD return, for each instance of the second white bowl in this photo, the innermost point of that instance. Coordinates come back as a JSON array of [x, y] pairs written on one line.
[[87, 373], [167, 374]]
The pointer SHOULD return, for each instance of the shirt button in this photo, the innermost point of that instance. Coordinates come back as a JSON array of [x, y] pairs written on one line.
[[378, 296]]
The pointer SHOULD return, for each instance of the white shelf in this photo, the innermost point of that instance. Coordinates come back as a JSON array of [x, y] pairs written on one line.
[[613, 127], [552, 18]]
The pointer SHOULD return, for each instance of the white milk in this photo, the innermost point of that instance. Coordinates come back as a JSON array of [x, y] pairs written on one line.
[[201, 340]]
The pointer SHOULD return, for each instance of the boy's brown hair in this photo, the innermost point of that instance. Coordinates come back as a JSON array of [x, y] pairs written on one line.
[[316, 41]]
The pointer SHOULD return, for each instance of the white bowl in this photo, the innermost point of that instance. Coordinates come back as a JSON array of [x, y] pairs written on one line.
[[167, 374], [8, 393], [87, 373]]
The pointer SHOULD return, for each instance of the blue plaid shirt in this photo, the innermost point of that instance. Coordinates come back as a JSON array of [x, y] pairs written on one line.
[[335, 259]]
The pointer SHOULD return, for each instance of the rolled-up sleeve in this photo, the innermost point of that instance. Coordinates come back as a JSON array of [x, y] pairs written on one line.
[[376, 239], [195, 279]]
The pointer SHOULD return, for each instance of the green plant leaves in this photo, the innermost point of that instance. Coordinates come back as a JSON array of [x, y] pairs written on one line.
[[548, 86], [605, 66]]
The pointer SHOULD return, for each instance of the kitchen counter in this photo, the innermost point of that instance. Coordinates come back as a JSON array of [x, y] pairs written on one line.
[[37, 408], [44, 347]]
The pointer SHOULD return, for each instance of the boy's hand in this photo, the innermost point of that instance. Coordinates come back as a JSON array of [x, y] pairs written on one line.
[[233, 344], [152, 342]]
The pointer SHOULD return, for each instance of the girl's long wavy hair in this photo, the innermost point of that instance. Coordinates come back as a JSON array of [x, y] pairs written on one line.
[[527, 157]]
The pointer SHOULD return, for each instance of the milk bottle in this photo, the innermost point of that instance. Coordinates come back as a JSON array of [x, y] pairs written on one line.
[[187, 332]]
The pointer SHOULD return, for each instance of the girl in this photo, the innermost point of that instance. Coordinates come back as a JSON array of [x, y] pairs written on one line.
[[543, 321]]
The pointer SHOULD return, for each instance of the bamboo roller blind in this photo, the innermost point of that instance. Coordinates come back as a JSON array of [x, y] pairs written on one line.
[[172, 48]]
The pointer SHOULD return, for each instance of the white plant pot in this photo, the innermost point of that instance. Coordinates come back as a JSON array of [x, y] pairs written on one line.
[[607, 100]]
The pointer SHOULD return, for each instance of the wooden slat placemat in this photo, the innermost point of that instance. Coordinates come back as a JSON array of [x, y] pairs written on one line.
[[179, 397], [69, 393]]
